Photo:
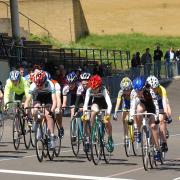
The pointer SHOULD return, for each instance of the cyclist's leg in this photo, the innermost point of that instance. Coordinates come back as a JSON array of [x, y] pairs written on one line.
[[95, 110], [125, 116], [138, 120], [49, 118], [162, 126]]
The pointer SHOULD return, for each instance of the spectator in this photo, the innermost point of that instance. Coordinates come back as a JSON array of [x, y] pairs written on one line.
[[177, 58], [158, 54], [146, 61], [169, 58], [98, 70], [135, 66]]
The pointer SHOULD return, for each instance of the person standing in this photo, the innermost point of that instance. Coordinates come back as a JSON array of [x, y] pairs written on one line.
[[158, 54]]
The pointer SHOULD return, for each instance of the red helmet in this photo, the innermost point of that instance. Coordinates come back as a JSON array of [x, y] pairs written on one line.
[[39, 78], [95, 82]]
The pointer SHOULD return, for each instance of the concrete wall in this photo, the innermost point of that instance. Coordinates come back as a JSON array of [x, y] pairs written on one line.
[[63, 18], [4, 70]]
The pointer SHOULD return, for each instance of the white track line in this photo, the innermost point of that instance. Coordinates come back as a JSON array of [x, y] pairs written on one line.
[[30, 173]]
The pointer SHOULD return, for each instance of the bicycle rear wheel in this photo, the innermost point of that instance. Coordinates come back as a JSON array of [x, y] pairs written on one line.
[[26, 133], [145, 147], [96, 147], [39, 143], [16, 132], [75, 136]]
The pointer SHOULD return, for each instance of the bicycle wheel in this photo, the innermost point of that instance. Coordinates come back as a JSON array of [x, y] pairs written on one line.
[[32, 138], [16, 132], [26, 133], [87, 137], [39, 143], [104, 144], [1, 127], [145, 147], [135, 145], [96, 147], [57, 140], [74, 135]]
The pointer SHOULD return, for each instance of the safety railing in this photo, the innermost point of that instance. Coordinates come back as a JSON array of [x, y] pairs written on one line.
[[28, 19]]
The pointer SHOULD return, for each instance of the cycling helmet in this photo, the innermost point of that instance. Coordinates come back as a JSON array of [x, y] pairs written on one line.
[[126, 84], [138, 83], [39, 78], [71, 77], [95, 82], [153, 81], [14, 75], [85, 76], [48, 75]]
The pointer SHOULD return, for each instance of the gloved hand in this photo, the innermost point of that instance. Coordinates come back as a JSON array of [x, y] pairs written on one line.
[[130, 121], [115, 116], [84, 117], [156, 120], [57, 111], [106, 118], [169, 120]]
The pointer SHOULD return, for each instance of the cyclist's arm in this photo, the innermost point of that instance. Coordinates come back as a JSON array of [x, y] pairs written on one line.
[[154, 98], [118, 101], [27, 101], [1, 94], [65, 92], [133, 100], [86, 102], [54, 102], [108, 101], [78, 96], [58, 95]]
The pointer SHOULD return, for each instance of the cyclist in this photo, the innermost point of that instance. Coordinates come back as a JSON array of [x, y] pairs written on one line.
[[124, 99], [70, 89], [144, 99], [15, 84], [58, 109], [165, 110], [81, 93], [42, 91], [100, 100]]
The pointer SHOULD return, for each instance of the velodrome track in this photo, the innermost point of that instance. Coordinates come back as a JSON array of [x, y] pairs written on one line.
[[23, 164]]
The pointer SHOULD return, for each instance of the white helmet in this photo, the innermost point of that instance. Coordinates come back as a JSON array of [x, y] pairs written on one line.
[[153, 81], [85, 76], [14, 75]]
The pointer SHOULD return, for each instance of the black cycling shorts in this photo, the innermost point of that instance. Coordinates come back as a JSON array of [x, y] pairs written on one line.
[[19, 97], [149, 106], [44, 98], [100, 101]]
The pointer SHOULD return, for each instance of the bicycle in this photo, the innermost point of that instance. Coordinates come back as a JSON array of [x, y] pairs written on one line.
[[147, 145], [99, 140], [2, 114], [42, 139], [20, 125], [130, 142]]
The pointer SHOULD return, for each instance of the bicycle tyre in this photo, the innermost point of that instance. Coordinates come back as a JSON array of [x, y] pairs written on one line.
[[74, 136], [16, 132], [26, 134], [96, 147], [39, 143], [1, 128], [57, 140], [144, 148]]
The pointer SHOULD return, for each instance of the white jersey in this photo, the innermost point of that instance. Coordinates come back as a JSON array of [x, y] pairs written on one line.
[[103, 93]]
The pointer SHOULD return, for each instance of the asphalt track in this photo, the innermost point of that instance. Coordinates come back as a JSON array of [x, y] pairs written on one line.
[[23, 164]]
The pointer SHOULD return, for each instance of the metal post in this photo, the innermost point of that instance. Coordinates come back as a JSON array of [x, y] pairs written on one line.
[[15, 19]]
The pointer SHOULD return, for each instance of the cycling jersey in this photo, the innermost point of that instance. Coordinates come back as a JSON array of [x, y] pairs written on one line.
[[42, 95], [102, 99], [160, 93], [125, 99], [148, 98], [18, 89]]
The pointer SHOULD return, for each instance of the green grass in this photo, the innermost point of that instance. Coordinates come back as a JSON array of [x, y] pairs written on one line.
[[132, 42]]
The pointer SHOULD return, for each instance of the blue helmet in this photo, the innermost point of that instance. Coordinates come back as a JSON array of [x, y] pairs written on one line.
[[138, 83], [71, 77], [14, 75]]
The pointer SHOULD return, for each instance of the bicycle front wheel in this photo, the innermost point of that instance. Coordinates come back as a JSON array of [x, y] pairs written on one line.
[[27, 134], [145, 147], [16, 132], [57, 140], [96, 147], [75, 136]]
